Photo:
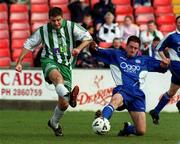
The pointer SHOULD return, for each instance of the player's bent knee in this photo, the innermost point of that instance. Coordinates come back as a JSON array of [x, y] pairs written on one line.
[[116, 101], [140, 132], [64, 107]]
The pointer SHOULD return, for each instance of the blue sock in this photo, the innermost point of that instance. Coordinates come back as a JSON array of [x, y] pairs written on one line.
[[163, 101], [130, 129], [108, 111]]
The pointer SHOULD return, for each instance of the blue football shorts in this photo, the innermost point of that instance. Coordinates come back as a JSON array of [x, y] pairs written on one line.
[[175, 71], [131, 102]]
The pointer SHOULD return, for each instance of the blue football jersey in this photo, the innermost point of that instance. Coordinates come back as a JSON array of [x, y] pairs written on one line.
[[172, 41], [129, 73]]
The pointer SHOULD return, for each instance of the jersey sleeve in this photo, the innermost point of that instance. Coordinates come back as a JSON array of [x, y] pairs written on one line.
[[33, 41], [163, 44], [81, 33], [105, 55], [153, 65]]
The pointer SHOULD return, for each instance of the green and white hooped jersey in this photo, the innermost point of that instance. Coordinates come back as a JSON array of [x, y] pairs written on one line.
[[58, 44]]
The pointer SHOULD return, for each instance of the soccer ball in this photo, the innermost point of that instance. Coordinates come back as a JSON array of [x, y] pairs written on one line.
[[101, 126]]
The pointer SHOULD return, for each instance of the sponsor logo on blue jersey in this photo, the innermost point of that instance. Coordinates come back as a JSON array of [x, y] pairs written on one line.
[[178, 49], [129, 68]]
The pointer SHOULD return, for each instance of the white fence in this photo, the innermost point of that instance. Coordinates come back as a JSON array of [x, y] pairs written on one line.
[[95, 88]]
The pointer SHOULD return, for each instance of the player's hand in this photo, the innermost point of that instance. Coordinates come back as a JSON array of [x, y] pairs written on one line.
[[93, 47], [18, 67], [75, 52], [166, 61]]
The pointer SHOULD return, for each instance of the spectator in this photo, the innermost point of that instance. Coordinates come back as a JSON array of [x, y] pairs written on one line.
[[116, 44], [8, 1], [99, 11], [109, 30], [91, 30], [128, 28], [151, 50], [76, 10], [148, 35], [142, 3], [87, 21]]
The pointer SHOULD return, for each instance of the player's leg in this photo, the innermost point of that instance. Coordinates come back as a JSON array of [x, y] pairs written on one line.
[[139, 127], [139, 119], [163, 101], [136, 108], [178, 105], [116, 101], [175, 85], [57, 79]]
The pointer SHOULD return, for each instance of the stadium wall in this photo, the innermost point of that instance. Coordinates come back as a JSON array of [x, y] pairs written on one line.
[[28, 90]]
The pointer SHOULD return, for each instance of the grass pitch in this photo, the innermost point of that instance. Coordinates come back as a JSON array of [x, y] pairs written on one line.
[[30, 127]]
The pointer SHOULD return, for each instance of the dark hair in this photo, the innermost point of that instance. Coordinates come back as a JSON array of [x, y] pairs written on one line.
[[55, 11], [156, 39], [116, 38], [128, 16], [134, 39], [151, 21], [177, 18]]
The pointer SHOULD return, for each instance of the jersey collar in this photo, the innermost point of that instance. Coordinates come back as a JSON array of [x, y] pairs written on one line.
[[177, 31]]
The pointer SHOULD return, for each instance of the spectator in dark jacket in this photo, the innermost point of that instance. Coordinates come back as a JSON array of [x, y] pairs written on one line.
[[99, 11]]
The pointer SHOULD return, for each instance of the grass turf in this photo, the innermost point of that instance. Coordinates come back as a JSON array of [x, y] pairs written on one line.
[[30, 127]]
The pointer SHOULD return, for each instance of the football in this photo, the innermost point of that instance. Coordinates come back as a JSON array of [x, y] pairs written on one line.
[[101, 126]]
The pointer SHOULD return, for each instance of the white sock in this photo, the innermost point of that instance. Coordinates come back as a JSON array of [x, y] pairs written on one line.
[[56, 116], [61, 90]]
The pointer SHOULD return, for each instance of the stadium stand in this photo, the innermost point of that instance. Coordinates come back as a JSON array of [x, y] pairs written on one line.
[[38, 2], [19, 17], [17, 44], [5, 53], [144, 10], [167, 28], [39, 14], [165, 19], [163, 10], [143, 19], [120, 18], [4, 43], [17, 21], [121, 2], [162, 3], [123, 9], [176, 9], [18, 8], [4, 34], [20, 26], [3, 16], [5, 62], [58, 2], [105, 44], [36, 25], [4, 26], [3, 7], [175, 2]]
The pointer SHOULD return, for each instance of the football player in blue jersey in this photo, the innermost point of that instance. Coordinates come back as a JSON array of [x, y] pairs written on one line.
[[172, 41], [128, 71]]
